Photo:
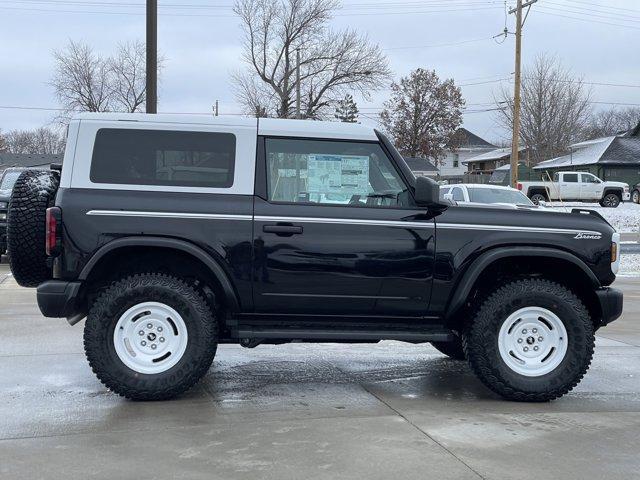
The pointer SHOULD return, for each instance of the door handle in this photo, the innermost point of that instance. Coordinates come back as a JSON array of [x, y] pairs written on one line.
[[283, 230]]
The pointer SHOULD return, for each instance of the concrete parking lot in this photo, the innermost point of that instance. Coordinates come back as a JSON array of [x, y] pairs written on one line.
[[382, 411]]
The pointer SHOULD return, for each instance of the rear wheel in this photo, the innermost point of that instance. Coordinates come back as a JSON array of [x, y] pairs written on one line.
[[610, 200], [150, 337], [532, 340], [536, 198], [453, 350], [635, 196]]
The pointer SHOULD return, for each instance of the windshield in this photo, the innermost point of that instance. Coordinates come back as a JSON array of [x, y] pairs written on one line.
[[9, 179], [498, 195]]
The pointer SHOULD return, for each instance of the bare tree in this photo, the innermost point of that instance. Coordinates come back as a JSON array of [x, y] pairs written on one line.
[[39, 141], [87, 82], [331, 63], [82, 79], [128, 76], [3, 143], [423, 114], [612, 121], [555, 108]]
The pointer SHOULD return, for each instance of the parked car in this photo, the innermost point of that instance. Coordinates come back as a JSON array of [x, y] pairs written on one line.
[[576, 187], [635, 193], [467, 194], [249, 241]]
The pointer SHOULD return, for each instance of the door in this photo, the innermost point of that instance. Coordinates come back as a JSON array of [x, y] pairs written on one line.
[[569, 186], [591, 187], [336, 232]]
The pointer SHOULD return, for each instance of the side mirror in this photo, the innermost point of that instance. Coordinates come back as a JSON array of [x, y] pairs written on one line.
[[448, 197], [427, 194]]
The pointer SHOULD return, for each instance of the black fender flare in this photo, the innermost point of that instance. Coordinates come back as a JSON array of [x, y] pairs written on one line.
[[189, 248], [616, 190], [474, 270]]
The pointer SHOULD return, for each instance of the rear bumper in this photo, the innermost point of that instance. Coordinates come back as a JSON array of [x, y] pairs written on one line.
[[611, 302], [58, 299]]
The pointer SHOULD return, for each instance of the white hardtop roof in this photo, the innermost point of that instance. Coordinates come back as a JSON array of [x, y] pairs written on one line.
[[266, 126]]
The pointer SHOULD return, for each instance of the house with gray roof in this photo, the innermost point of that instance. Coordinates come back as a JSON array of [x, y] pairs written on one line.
[[27, 160], [468, 146], [615, 158], [421, 167]]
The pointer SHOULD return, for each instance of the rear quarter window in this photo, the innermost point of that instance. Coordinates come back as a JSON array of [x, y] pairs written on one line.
[[162, 157]]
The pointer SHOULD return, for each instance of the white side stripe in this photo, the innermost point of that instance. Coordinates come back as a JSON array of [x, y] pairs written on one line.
[[132, 213], [339, 221]]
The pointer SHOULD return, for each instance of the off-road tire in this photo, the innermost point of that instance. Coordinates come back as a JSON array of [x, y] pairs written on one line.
[[610, 200], [480, 341], [121, 295], [453, 350], [33, 193]]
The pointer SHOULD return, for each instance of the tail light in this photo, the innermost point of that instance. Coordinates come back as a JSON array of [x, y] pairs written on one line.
[[519, 186], [53, 237]]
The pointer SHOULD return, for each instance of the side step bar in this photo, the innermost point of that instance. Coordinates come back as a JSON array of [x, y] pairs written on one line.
[[434, 335]]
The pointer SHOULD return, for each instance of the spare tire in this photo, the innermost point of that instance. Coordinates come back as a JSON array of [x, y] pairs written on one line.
[[33, 193]]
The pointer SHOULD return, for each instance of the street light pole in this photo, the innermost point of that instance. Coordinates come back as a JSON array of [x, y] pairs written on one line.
[[152, 57]]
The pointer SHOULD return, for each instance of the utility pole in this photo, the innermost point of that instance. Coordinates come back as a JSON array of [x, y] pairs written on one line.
[[298, 115], [216, 110], [152, 57], [515, 140]]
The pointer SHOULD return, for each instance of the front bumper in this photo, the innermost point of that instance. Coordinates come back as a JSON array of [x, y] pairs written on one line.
[[626, 196], [58, 299], [611, 302], [3, 237]]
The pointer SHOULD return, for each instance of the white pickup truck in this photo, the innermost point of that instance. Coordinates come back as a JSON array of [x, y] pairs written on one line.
[[576, 187]]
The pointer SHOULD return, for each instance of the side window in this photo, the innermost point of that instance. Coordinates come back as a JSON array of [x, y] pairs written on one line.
[[588, 178], [570, 177], [331, 172], [161, 157], [458, 194], [444, 191]]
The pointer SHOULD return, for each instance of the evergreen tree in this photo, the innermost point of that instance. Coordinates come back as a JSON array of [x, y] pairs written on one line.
[[347, 110]]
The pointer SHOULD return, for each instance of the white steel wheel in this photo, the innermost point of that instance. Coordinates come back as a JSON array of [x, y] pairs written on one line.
[[150, 338], [533, 341]]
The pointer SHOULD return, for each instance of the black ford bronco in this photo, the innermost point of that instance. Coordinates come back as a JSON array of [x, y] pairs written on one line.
[[173, 234]]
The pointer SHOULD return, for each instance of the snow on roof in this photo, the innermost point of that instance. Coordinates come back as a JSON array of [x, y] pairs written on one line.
[[583, 153], [496, 154]]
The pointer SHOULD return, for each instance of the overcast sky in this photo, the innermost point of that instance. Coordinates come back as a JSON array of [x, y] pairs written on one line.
[[596, 39]]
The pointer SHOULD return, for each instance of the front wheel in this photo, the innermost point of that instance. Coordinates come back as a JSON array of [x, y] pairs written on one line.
[[532, 340], [635, 196], [150, 337], [610, 200]]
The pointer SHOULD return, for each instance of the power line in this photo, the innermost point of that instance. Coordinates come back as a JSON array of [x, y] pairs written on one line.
[[544, 12]]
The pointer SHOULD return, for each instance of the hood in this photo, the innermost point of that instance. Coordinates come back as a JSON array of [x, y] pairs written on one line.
[[616, 184]]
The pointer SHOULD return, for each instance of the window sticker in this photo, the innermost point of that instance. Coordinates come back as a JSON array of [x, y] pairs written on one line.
[[344, 174]]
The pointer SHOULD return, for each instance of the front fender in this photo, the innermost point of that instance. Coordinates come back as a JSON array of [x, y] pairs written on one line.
[[475, 269]]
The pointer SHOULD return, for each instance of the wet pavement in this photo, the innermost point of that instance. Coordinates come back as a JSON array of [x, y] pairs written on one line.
[[390, 410]]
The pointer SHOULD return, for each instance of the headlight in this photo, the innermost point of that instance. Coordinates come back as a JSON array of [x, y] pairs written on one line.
[[3, 216], [4, 204]]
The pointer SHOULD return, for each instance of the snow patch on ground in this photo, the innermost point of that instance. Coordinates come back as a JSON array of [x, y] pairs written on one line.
[[629, 266], [625, 218]]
